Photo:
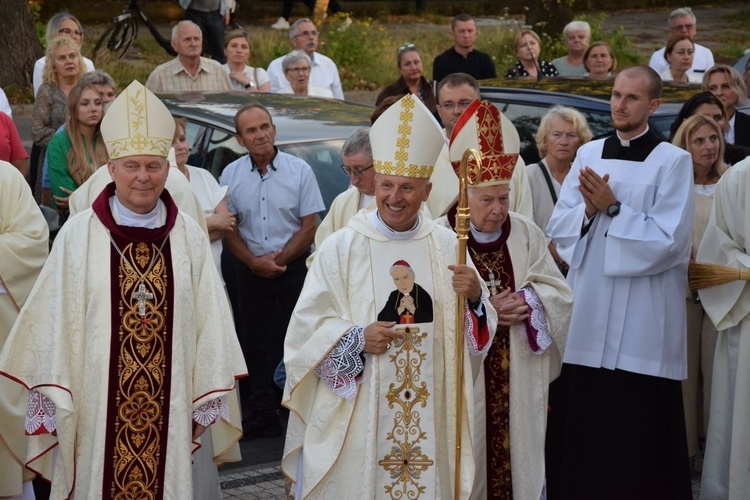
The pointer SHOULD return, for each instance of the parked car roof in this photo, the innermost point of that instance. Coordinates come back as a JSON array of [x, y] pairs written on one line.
[[525, 102], [297, 118], [311, 128]]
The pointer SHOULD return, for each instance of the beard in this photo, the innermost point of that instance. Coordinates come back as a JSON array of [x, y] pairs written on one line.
[[627, 126]]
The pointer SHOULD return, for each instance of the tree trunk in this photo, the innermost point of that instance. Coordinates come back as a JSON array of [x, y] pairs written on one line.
[[18, 44], [421, 6]]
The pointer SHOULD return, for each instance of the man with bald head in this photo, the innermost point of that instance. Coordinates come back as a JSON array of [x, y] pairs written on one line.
[[623, 223], [188, 72]]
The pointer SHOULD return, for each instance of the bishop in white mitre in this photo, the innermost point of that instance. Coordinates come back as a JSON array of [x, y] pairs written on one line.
[[126, 343], [373, 411]]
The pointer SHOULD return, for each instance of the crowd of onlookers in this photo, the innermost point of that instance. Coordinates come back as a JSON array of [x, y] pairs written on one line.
[[71, 98]]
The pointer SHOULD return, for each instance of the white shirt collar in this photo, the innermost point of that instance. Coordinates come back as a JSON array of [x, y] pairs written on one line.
[[626, 142], [729, 136], [126, 217], [382, 227], [482, 237]]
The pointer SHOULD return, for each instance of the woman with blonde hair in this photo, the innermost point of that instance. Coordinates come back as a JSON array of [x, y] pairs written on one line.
[[727, 84], [702, 137], [77, 151], [62, 68], [61, 24], [528, 46], [561, 132]]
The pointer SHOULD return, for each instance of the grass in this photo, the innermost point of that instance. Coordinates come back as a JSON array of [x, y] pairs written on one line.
[[366, 52]]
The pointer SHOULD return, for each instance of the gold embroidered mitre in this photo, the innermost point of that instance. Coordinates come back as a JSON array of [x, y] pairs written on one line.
[[484, 128], [137, 123], [406, 140]]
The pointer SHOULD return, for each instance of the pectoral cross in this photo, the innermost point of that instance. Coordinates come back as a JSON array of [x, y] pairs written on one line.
[[492, 284], [142, 295]]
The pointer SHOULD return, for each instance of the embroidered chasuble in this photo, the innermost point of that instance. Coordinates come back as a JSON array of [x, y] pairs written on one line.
[[140, 353], [493, 262], [406, 440], [389, 433], [122, 354]]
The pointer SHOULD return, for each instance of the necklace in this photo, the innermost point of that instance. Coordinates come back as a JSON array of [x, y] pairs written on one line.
[[141, 295], [492, 283]]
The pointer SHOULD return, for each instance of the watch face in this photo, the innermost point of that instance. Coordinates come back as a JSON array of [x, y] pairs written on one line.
[[613, 209]]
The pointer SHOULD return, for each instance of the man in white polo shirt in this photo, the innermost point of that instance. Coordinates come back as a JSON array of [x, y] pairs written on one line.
[[303, 35]]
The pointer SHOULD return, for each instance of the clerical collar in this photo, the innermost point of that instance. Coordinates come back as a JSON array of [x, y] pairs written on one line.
[[482, 237], [636, 149], [375, 220], [626, 142], [126, 217], [271, 166]]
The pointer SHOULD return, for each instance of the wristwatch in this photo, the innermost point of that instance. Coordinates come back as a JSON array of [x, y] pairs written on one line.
[[614, 209]]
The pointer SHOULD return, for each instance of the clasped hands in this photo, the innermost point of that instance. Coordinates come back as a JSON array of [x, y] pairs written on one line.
[[407, 303], [267, 266], [510, 307], [596, 192]]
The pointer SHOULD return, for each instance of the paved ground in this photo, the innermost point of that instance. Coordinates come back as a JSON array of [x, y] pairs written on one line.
[[263, 481]]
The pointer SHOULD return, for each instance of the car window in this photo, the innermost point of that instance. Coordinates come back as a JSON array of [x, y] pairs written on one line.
[[526, 119], [221, 150], [195, 135], [325, 159]]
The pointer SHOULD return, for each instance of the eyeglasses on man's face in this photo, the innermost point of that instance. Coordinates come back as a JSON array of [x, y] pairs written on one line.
[[306, 33], [298, 69], [356, 173]]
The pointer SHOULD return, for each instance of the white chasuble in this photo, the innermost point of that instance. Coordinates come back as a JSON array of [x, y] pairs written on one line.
[[406, 423], [61, 347], [336, 447]]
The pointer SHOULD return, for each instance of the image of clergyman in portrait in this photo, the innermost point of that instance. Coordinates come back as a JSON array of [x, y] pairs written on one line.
[[409, 302]]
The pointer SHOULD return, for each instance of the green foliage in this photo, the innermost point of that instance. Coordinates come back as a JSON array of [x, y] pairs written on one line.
[[39, 26]]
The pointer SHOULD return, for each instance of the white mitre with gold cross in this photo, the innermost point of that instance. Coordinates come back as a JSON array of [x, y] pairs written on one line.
[[137, 123], [406, 140]]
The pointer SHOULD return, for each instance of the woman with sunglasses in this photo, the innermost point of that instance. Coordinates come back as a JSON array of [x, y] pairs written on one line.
[[412, 80]]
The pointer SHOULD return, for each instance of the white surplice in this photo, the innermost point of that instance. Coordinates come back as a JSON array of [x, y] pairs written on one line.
[[727, 460], [629, 272], [62, 334], [340, 436]]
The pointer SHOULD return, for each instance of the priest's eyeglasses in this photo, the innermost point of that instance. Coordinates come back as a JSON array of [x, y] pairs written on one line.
[[460, 105], [356, 173]]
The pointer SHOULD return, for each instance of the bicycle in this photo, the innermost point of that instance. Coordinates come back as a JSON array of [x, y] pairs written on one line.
[[119, 35]]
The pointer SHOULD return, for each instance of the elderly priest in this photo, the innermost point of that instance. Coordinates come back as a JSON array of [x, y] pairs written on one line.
[[533, 305], [126, 342]]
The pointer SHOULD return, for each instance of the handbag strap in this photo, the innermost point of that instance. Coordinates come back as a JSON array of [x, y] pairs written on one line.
[[549, 182]]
